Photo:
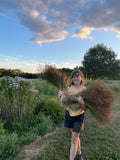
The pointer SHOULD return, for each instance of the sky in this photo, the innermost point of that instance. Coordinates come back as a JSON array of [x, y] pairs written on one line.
[[58, 32]]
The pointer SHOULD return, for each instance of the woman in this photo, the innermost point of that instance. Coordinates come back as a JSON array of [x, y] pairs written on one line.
[[74, 119]]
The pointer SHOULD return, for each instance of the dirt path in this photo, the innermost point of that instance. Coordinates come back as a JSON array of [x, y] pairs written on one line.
[[36, 147]]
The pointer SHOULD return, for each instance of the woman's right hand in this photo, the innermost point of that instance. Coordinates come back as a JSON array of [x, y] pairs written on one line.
[[82, 102], [60, 93]]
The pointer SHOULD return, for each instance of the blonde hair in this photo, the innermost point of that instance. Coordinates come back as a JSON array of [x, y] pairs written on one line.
[[80, 74]]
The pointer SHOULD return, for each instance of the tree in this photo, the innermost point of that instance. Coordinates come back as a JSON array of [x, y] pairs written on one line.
[[101, 61], [67, 71]]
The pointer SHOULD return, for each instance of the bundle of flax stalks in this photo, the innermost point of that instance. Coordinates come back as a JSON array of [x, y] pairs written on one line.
[[54, 76], [98, 98]]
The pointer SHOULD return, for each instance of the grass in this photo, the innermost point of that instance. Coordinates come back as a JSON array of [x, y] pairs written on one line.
[[45, 88]]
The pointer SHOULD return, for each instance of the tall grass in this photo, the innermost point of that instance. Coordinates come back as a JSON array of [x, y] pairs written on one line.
[[45, 88]]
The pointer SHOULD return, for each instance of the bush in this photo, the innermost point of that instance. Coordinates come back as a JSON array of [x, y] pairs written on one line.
[[45, 125], [50, 106], [29, 123], [45, 88], [8, 145]]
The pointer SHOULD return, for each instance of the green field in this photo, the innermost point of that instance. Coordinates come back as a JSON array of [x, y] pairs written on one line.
[[38, 133]]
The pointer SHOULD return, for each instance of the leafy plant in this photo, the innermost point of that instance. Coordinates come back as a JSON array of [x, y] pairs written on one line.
[[45, 88], [50, 107], [16, 97]]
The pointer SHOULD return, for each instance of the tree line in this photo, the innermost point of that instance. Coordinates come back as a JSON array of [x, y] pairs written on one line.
[[16, 72], [98, 62]]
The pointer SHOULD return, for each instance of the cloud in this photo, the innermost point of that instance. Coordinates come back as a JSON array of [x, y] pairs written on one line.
[[67, 65], [50, 20], [29, 66], [83, 32], [52, 36], [15, 63]]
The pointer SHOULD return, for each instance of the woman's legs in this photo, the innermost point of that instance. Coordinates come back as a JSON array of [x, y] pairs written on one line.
[[75, 142], [79, 147]]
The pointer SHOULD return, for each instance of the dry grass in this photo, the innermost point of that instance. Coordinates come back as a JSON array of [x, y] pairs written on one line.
[[54, 76], [99, 99]]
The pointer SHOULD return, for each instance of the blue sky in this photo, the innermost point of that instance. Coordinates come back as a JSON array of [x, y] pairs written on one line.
[[58, 32]]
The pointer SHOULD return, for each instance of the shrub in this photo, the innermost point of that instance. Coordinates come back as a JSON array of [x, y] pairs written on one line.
[[45, 88], [44, 125], [50, 107], [8, 145]]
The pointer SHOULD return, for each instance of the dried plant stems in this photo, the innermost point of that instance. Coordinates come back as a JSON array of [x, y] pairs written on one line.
[[55, 77], [98, 98]]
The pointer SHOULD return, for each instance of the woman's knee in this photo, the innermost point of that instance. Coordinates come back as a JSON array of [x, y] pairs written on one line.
[[75, 137]]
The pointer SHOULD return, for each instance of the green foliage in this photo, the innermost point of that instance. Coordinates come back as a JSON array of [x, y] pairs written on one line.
[[21, 132], [8, 145], [16, 72], [28, 125], [115, 85], [107, 154], [45, 125], [67, 71], [15, 98], [10, 72], [51, 107], [2, 131], [45, 88], [101, 62]]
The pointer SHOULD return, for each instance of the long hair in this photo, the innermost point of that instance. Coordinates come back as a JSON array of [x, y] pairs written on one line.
[[77, 72]]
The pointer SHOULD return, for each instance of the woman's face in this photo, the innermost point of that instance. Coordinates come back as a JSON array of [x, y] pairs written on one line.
[[76, 79]]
